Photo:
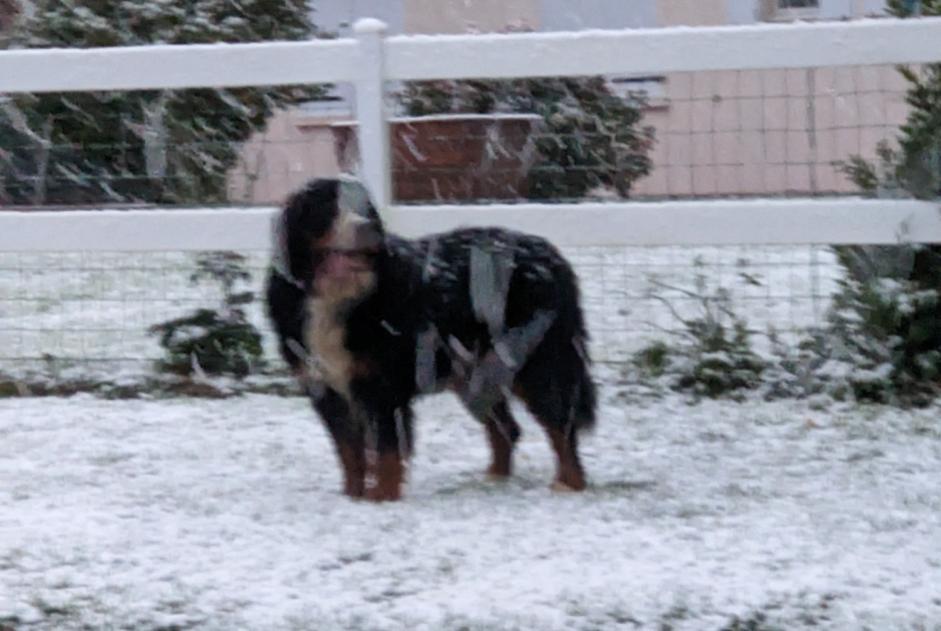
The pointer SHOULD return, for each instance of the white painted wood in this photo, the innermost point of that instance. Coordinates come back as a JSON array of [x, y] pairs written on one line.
[[373, 130], [731, 222], [659, 51], [170, 67], [641, 51], [136, 230], [723, 222]]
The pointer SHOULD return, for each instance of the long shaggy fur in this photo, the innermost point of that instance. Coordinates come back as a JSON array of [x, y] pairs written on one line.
[[485, 312]]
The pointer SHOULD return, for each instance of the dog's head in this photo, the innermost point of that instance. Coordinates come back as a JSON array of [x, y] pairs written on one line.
[[331, 239]]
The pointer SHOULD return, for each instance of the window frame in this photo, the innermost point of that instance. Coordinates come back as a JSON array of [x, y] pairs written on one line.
[[788, 14]]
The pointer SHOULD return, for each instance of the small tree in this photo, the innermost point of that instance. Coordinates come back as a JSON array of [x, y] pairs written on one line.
[[887, 315], [214, 341], [169, 146], [591, 138]]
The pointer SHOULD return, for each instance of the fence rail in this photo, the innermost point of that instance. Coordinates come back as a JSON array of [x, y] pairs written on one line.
[[729, 222], [410, 58], [371, 59]]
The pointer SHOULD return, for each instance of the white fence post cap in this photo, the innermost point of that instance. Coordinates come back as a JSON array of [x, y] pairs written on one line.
[[370, 25]]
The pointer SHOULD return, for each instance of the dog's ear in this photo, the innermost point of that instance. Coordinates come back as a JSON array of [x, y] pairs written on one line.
[[308, 215], [353, 196]]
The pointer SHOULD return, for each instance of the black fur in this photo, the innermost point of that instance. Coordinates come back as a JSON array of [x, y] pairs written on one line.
[[424, 326]]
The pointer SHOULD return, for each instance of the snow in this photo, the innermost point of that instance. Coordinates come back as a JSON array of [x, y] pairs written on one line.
[[369, 25], [226, 514], [495, 117]]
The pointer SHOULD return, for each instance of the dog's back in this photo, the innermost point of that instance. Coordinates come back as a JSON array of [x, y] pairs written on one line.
[[491, 289]]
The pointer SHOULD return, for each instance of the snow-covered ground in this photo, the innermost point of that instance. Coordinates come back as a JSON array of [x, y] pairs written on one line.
[[225, 514]]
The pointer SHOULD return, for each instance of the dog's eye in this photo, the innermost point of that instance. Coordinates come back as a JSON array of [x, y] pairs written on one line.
[[350, 252]]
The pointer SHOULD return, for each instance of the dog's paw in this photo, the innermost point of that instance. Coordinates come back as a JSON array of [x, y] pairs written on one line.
[[381, 494], [558, 486]]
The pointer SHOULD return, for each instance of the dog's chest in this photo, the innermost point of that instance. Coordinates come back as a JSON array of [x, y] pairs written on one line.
[[325, 336]]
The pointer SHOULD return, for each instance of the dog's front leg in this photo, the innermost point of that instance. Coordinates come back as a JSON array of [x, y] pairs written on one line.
[[387, 473], [389, 445], [351, 450], [348, 438]]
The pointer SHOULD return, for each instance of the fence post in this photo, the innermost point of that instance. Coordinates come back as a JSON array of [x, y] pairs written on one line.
[[373, 132]]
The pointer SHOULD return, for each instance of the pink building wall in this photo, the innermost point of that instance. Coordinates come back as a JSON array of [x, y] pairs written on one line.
[[718, 133]]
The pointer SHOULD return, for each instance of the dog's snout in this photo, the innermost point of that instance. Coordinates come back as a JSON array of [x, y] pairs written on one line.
[[368, 236]]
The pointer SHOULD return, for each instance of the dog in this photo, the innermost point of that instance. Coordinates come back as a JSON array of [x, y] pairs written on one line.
[[368, 321]]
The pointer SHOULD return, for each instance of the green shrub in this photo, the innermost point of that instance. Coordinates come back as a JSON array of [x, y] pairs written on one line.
[[712, 355], [590, 138], [886, 318], [214, 342]]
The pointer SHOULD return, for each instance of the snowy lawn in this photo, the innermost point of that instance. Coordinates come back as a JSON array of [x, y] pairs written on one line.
[[225, 514]]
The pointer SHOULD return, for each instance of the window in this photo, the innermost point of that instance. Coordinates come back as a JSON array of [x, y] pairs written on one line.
[[651, 89], [794, 9]]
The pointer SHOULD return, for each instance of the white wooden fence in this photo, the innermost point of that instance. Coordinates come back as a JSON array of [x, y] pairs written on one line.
[[371, 59]]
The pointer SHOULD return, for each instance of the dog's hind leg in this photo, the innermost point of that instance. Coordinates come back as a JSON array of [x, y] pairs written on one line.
[[570, 476], [502, 433], [558, 390]]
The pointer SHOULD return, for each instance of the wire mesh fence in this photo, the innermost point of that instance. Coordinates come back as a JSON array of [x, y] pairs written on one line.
[[735, 133], [771, 132], [691, 135], [717, 134], [90, 315]]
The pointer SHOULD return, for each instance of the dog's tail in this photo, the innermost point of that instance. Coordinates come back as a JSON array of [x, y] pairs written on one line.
[[584, 397], [556, 381]]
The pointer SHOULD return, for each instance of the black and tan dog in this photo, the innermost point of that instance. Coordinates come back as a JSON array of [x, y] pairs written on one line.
[[369, 321]]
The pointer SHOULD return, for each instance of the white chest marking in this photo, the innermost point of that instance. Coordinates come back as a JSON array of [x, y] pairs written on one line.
[[326, 338]]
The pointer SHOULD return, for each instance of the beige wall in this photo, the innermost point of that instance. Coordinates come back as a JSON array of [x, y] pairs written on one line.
[[8, 11], [718, 133], [693, 12], [293, 148], [461, 16], [770, 132]]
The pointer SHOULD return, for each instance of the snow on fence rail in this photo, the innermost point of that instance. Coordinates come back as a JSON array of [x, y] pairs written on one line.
[[421, 57], [371, 59], [722, 222]]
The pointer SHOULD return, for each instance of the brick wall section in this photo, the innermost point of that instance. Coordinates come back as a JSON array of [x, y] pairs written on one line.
[[8, 11], [460, 160], [454, 158]]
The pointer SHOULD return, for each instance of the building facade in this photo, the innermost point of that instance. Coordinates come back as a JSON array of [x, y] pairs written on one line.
[[718, 133], [9, 9]]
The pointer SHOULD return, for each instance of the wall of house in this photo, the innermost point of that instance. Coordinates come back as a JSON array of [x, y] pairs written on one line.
[[692, 12], [339, 15], [460, 16], [8, 12], [749, 12], [770, 132], [294, 147], [565, 15], [739, 12], [722, 133], [842, 9]]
